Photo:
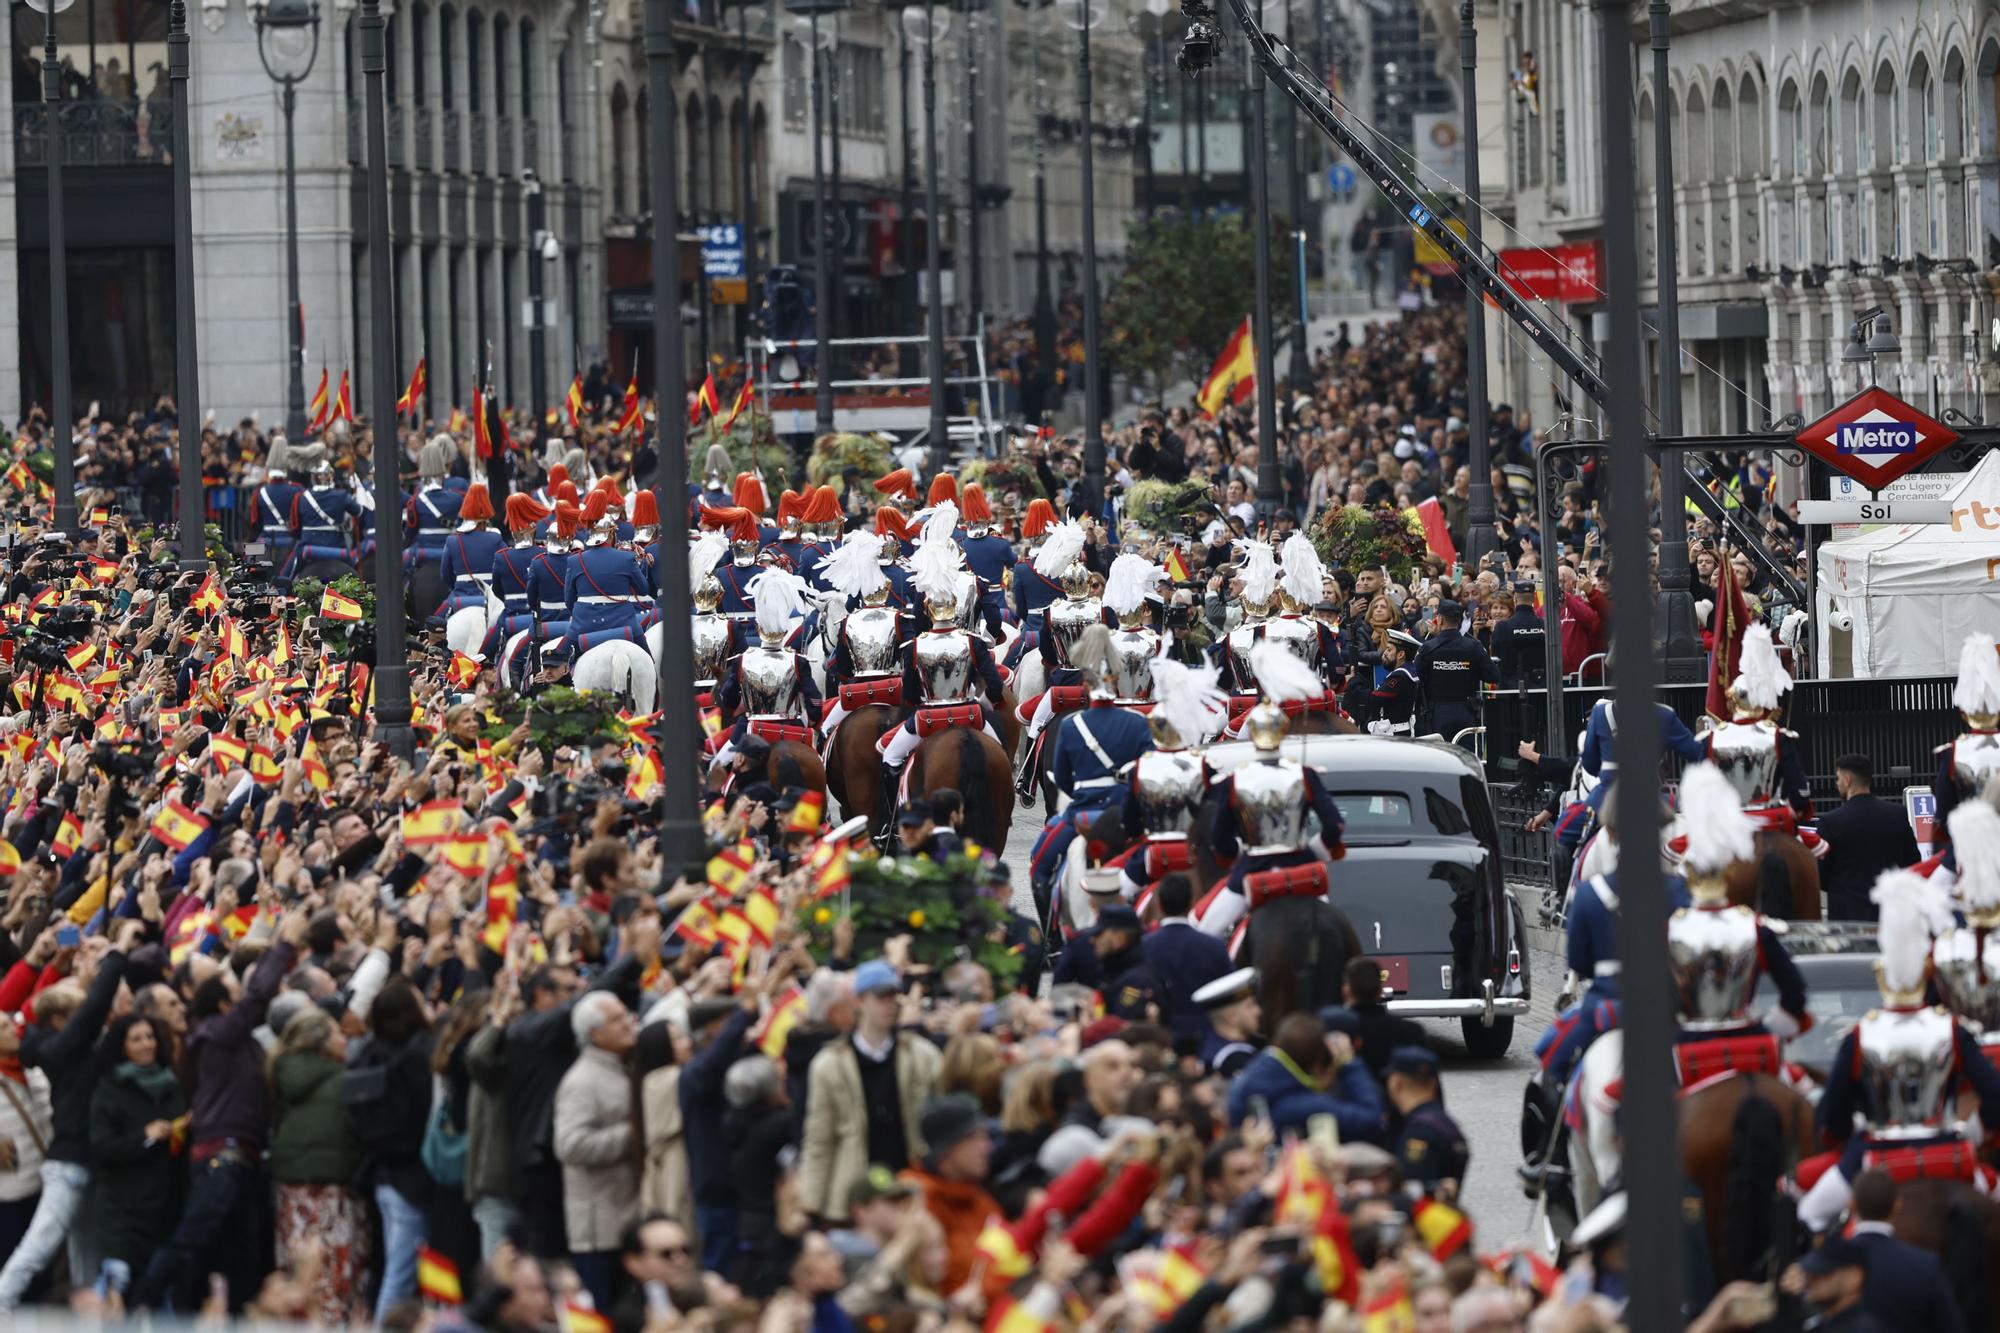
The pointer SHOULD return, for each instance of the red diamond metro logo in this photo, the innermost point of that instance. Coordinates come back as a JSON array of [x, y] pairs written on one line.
[[1876, 437]]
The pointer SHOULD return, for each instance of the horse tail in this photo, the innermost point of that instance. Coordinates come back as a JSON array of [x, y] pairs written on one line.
[[1774, 887], [1757, 1161], [1963, 1257], [785, 768], [977, 798]]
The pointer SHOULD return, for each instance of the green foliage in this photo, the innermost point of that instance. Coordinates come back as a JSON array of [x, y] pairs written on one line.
[[1356, 538], [218, 550], [751, 444], [939, 906], [835, 453], [1187, 284], [42, 463], [558, 717], [1165, 506], [339, 635], [1010, 474]]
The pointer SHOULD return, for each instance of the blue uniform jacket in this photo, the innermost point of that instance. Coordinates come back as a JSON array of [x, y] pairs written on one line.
[[1593, 927], [1600, 751], [1844, 1095], [735, 580], [984, 669], [324, 516], [511, 567], [1121, 733], [548, 579], [429, 518], [1183, 960], [605, 571], [989, 556], [1354, 1100], [469, 555], [1032, 591], [273, 509]]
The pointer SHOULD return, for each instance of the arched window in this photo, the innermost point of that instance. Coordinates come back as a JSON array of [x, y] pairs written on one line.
[[1822, 136], [1923, 126], [720, 191], [619, 104], [1791, 130], [527, 31], [1888, 149], [1696, 138], [447, 55], [1752, 143], [501, 37], [695, 199], [1649, 164], [1855, 153], [420, 31], [1722, 128], [475, 68], [644, 121], [1952, 121]]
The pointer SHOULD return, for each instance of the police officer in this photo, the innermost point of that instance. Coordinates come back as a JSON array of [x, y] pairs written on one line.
[[1183, 959], [1099, 956], [1449, 670], [1017, 931], [1431, 1149], [917, 829], [1518, 641], [1233, 1020]]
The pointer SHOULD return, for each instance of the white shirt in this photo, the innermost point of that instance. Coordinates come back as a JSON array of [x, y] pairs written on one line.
[[876, 1053]]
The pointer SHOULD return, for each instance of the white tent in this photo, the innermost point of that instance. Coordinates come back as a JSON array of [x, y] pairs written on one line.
[[1899, 600]]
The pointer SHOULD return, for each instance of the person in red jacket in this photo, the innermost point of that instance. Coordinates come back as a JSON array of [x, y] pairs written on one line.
[[1579, 623], [1098, 1213]]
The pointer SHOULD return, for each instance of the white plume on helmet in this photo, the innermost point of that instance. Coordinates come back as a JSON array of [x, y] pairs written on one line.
[[1059, 550], [1305, 576], [1975, 842], [1282, 676], [855, 567], [1131, 580], [1978, 688], [1718, 832], [1260, 573], [1912, 909], [780, 598], [1761, 680], [704, 554], [941, 525], [935, 566], [1190, 699]]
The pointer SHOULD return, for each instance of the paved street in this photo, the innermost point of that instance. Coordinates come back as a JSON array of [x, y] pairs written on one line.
[[1484, 1095]]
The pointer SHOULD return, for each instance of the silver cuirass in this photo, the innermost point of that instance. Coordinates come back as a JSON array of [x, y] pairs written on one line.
[[1131, 664], [1240, 641], [711, 647], [967, 615], [1975, 756], [871, 640], [1966, 962], [1271, 802], [770, 682], [1066, 620], [1906, 1062], [1747, 754], [1712, 956], [944, 666], [1297, 635], [1167, 786]]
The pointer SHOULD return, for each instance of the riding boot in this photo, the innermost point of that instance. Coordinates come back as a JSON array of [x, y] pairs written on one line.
[[1024, 785], [890, 779], [1541, 1109]]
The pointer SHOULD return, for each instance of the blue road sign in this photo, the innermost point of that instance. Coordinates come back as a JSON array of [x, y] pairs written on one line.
[[721, 250]]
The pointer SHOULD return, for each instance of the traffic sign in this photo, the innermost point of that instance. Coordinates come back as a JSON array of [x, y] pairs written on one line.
[[1340, 176], [1874, 511], [1875, 437], [721, 250]]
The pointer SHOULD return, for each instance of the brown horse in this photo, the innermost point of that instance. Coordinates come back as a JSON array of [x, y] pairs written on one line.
[[795, 765], [1781, 880], [1739, 1137], [1962, 1227], [973, 764], [854, 767]]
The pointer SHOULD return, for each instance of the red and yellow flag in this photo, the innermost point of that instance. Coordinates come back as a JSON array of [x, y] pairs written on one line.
[[208, 597], [437, 1276], [10, 859], [432, 822], [264, 767], [696, 924], [408, 402], [573, 402], [177, 826], [707, 400], [828, 864], [1443, 1229], [468, 854], [69, 836], [645, 778], [744, 396], [320, 407], [805, 817], [729, 869], [760, 909], [343, 406], [1177, 570], [227, 751], [463, 671], [628, 412], [338, 606], [582, 1319], [1234, 375], [1390, 1311], [770, 1035]]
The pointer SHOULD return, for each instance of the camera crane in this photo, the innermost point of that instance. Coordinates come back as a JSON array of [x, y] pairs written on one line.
[[1476, 264]]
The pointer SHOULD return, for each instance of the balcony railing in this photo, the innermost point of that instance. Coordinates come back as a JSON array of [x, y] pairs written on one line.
[[399, 154], [478, 160], [454, 156], [96, 133], [422, 120], [503, 143]]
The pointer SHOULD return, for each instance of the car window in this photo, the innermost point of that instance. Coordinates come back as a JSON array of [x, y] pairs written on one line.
[[1835, 1011], [1445, 815], [1374, 811]]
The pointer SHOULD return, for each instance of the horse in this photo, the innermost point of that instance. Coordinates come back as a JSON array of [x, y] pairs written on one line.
[[972, 763], [1780, 880], [1961, 1226], [854, 766], [425, 588], [465, 629], [794, 765], [624, 668]]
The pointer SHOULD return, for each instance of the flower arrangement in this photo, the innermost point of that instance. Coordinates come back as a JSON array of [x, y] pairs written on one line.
[[1010, 475], [1355, 537], [939, 905], [342, 636], [833, 454]]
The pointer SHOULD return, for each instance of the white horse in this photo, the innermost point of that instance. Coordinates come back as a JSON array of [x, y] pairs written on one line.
[[1596, 1156], [629, 670], [465, 629]]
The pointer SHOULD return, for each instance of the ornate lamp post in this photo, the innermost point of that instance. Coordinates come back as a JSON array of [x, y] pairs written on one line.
[[187, 373], [930, 25], [62, 421], [288, 44], [1081, 16], [819, 42]]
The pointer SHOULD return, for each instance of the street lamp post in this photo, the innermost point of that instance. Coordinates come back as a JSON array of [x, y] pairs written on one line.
[[907, 243], [928, 25], [822, 235], [392, 672], [1299, 365], [976, 292], [1269, 480], [1680, 645], [746, 166], [1082, 16], [681, 839], [62, 421], [1045, 305], [187, 370], [288, 44], [1480, 538]]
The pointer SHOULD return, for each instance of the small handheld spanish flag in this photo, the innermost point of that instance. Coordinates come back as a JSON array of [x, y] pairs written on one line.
[[336, 606], [177, 826], [730, 868], [437, 1278], [805, 817], [463, 671], [1443, 1229], [69, 836], [770, 1035], [1177, 570], [10, 859], [573, 403], [432, 822], [208, 597], [828, 864]]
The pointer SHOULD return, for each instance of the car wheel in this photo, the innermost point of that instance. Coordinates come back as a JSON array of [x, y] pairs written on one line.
[[1487, 1043]]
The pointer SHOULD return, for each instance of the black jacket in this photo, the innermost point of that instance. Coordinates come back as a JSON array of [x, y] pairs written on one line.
[[138, 1184], [540, 1050], [703, 1108], [1906, 1286], [67, 1059], [1865, 835], [396, 1162]]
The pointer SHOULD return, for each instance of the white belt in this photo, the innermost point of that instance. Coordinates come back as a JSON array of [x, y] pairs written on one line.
[[1610, 968], [620, 600], [1089, 783]]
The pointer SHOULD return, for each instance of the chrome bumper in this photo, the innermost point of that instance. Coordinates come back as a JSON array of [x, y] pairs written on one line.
[[1485, 1008]]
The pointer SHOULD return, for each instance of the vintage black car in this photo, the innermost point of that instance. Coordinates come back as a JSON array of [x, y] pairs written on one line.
[[1421, 879]]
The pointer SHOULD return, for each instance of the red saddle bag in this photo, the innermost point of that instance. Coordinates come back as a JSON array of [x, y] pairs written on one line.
[[930, 721]]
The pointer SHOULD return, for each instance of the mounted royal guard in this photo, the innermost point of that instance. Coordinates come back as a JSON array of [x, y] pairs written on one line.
[[750, 494], [607, 593], [741, 569], [1966, 958], [548, 573], [432, 512], [1129, 592], [769, 688], [1259, 575], [945, 665], [1300, 587], [714, 633], [275, 500], [1064, 620], [896, 533], [1033, 590], [323, 517], [1168, 781], [988, 555], [1968, 759], [791, 544], [1903, 1067], [513, 565], [469, 552], [871, 636], [1759, 758], [717, 469], [1092, 747]]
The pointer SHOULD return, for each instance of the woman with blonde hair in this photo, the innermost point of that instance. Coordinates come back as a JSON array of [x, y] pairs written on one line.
[[313, 1157], [973, 1065], [1027, 1115]]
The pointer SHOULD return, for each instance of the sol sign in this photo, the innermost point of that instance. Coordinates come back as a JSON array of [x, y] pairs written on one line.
[[1876, 437]]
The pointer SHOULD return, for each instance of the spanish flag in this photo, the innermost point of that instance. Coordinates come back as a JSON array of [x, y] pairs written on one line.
[[437, 1276], [10, 859], [573, 403], [69, 836], [1233, 378], [1011, 1316], [770, 1035], [177, 826], [208, 597], [320, 407], [645, 778], [265, 770], [1442, 1228], [343, 403], [743, 397], [408, 402], [315, 767], [20, 478], [432, 822], [729, 869], [463, 671], [1177, 570], [227, 751], [482, 429], [708, 400], [335, 606], [996, 1245], [468, 854], [696, 923], [628, 414], [103, 572], [1390, 1311], [760, 909], [582, 1319], [828, 864], [807, 814]]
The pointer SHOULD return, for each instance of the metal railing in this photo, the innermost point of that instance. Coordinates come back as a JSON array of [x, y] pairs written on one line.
[[96, 133], [454, 154], [421, 122], [503, 143]]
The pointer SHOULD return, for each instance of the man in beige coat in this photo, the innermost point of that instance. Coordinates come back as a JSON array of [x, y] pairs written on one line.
[[864, 1097], [596, 1141]]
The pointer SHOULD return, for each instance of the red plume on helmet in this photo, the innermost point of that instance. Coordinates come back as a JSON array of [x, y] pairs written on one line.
[[900, 484], [1040, 518], [522, 512], [943, 487], [567, 516], [740, 522], [750, 494], [973, 504], [791, 507], [566, 490], [476, 507], [645, 510], [596, 506], [889, 522], [823, 506], [609, 485], [557, 476]]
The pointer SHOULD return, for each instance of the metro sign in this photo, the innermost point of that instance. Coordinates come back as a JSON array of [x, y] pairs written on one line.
[[1876, 437]]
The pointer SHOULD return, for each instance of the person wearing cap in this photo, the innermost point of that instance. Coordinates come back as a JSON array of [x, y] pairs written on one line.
[[1431, 1147], [951, 1176], [1234, 1017], [1450, 669], [469, 552], [1182, 959], [916, 827], [271, 511], [1518, 640], [322, 518], [430, 515], [1834, 1278], [1305, 1072], [1392, 703], [864, 1096], [876, 1205]]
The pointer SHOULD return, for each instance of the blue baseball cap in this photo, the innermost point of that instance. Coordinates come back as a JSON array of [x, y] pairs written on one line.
[[876, 975]]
